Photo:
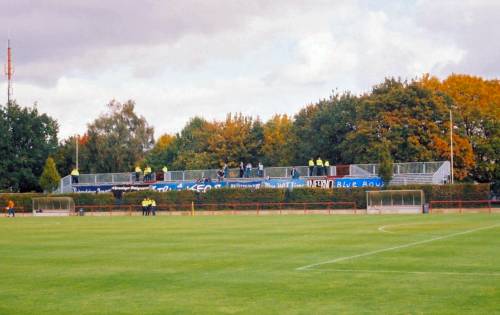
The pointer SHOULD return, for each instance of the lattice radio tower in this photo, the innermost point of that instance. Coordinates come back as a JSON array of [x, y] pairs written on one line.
[[9, 71]]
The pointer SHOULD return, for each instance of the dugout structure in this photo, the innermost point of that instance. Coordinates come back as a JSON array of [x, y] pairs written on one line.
[[395, 201], [53, 206]]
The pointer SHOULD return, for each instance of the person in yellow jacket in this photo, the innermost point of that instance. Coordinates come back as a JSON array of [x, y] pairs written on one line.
[[165, 171], [319, 166], [153, 207], [311, 166], [327, 168], [144, 205], [74, 175], [147, 173], [138, 172]]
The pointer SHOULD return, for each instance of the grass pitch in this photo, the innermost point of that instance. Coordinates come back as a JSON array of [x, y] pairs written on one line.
[[439, 264]]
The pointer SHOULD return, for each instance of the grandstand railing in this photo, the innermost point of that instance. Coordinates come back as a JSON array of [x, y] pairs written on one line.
[[399, 168], [462, 206], [227, 207]]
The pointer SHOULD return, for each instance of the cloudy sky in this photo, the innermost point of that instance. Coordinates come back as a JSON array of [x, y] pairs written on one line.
[[181, 58]]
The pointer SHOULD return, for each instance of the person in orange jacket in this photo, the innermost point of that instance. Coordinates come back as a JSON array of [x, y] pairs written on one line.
[[10, 208]]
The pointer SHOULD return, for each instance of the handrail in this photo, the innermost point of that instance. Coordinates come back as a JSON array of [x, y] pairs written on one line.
[[223, 205]]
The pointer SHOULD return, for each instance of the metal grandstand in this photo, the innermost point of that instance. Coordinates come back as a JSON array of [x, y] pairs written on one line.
[[404, 173]]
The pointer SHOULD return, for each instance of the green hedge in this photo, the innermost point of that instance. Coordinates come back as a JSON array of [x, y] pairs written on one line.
[[231, 195]]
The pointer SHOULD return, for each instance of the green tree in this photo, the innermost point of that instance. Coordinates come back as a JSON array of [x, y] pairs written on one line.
[[163, 152], [191, 146], [304, 135], [65, 156], [49, 180], [386, 167], [118, 139], [27, 139]]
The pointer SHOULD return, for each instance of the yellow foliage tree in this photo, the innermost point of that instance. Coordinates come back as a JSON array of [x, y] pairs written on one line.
[[278, 135]]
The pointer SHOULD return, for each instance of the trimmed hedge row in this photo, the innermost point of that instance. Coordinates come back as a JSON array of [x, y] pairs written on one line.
[[242, 195]]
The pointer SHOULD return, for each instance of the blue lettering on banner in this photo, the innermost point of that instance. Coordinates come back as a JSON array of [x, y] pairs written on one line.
[[92, 188], [284, 183], [358, 182]]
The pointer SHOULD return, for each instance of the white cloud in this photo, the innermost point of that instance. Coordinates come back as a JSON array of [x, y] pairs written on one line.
[[256, 58]]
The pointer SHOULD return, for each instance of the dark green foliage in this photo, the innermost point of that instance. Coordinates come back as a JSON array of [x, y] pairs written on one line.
[[386, 167], [49, 180], [27, 138]]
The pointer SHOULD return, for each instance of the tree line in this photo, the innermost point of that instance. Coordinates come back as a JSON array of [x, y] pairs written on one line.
[[398, 120]]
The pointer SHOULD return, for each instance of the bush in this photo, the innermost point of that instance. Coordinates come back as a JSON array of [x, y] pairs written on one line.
[[174, 199]]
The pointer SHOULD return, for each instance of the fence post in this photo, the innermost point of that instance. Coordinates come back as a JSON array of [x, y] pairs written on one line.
[[192, 208], [460, 206], [489, 206]]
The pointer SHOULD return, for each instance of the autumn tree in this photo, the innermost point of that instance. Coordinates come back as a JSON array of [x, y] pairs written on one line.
[[476, 108], [412, 120], [277, 149], [233, 140], [49, 180]]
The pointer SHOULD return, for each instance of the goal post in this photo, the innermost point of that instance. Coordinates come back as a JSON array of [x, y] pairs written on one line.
[[53, 206], [394, 201]]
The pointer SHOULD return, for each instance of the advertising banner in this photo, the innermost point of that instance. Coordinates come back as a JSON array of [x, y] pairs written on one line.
[[358, 182], [204, 186]]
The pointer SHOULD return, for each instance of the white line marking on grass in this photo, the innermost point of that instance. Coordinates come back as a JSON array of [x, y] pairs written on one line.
[[381, 228], [373, 252], [446, 273]]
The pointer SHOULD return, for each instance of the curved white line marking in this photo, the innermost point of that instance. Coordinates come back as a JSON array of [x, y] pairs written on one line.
[[382, 228], [373, 252]]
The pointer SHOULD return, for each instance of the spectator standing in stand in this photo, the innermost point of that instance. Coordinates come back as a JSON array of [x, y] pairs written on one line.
[[220, 175], [294, 173], [74, 175], [311, 166], [225, 169], [138, 172], [144, 205], [165, 172], [242, 169], [326, 168], [261, 169], [248, 171], [153, 207], [319, 166], [147, 173]]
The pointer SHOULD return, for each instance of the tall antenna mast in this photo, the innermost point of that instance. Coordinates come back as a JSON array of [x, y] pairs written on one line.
[[9, 71]]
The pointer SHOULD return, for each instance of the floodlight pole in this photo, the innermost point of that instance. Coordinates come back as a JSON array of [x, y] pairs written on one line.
[[451, 146], [76, 140]]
